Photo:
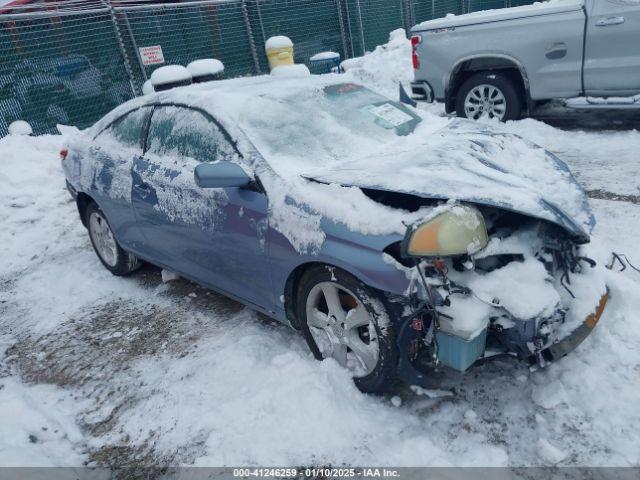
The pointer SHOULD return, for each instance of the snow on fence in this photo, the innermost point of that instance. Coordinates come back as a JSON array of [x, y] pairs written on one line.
[[71, 61]]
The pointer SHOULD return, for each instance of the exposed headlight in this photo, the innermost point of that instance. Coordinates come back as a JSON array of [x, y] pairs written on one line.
[[457, 231]]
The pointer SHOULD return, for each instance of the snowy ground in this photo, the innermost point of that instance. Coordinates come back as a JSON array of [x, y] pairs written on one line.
[[133, 371]]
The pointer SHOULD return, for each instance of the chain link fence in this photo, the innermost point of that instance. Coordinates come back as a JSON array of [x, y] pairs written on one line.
[[71, 61]]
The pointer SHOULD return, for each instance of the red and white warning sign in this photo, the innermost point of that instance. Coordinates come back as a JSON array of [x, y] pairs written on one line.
[[151, 55]]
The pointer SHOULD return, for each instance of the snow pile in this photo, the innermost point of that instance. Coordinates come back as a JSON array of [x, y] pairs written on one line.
[[469, 317], [205, 67], [529, 295], [586, 290], [291, 71], [278, 41], [385, 67], [324, 56], [20, 127], [147, 88], [23, 171], [167, 75], [168, 276]]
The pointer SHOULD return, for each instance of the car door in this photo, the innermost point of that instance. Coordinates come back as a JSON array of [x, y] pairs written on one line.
[[612, 52], [214, 236], [112, 154]]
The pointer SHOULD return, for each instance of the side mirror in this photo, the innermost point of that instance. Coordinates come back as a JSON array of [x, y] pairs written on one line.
[[220, 175]]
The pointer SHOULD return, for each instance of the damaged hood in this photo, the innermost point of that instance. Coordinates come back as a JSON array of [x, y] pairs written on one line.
[[475, 163]]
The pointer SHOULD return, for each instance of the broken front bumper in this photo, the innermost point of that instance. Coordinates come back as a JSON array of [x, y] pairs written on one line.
[[412, 370], [571, 342]]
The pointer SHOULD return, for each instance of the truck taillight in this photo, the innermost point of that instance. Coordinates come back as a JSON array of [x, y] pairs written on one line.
[[63, 154], [415, 41]]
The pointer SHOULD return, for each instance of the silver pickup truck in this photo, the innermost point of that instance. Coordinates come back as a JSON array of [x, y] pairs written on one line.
[[503, 63]]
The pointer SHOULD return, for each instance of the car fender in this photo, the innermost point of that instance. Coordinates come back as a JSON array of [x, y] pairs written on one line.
[[450, 76], [358, 254]]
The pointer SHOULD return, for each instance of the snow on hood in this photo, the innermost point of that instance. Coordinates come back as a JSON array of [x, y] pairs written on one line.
[[476, 163], [485, 16]]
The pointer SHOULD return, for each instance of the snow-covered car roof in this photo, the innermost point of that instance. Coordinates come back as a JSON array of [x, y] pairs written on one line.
[[225, 99], [303, 133]]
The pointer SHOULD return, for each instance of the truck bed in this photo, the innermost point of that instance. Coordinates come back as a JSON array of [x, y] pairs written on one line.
[[545, 8]]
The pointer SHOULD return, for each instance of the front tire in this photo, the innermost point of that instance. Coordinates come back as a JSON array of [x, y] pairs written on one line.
[[341, 318], [489, 95], [104, 243]]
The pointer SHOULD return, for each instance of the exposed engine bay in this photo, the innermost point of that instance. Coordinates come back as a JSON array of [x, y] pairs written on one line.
[[525, 294]]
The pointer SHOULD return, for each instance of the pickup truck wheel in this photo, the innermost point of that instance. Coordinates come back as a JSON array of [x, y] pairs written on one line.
[[109, 252], [489, 95], [341, 318]]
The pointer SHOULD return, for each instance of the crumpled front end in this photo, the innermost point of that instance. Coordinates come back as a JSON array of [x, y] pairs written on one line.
[[531, 292]]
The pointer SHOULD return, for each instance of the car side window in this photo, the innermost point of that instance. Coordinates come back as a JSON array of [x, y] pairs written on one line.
[[184, 133], [128, 129]]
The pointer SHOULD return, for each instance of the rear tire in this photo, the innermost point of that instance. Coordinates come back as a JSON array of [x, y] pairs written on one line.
[[342, 318], [104, 243], [489, 94]]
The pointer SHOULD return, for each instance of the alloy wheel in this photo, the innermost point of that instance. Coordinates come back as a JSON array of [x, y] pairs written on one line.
[[342, 328], [485, 100], [103, 239]]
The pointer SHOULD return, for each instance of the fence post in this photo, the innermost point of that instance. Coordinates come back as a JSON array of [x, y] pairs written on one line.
[[359, 13], [264, 37], [409, 16], [123, 51], [252, 43], [353, 51], [134, 44], [343, 34]]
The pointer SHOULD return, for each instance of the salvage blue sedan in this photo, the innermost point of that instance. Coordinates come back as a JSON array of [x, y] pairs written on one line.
[[396, 241]]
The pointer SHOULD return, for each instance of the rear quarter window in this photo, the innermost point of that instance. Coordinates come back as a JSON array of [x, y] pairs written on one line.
[[128, 129]]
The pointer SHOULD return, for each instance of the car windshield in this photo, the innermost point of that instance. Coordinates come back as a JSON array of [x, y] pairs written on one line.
[[366, 112], [326, 126]]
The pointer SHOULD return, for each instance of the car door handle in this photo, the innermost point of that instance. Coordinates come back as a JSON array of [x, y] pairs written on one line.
[[608, 21], [556, 51], [142, 189]]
